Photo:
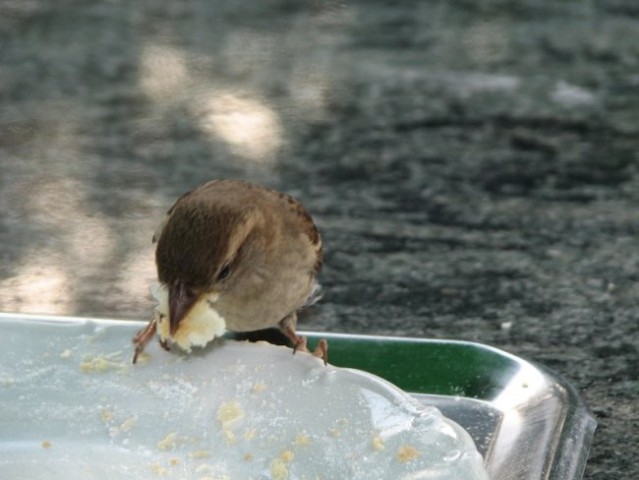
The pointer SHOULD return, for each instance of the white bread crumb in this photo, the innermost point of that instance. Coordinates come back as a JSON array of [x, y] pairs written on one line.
[[201, 325]]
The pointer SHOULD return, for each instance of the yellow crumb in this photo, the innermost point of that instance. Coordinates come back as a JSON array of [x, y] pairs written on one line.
[[248, 457], [249, 434], [407, 453], [169, 442], [230, 412], [229, 435], [335, 432], [287, 456], [46, 444], [200, 454], [279, 466], [174, 461], [106, 415], [258, 388], [302, 440], [279, 470], [158, 469], [100, 365], [127, 424], [377, 443]]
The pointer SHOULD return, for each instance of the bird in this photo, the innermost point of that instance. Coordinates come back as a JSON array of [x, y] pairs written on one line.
[[233, 255]]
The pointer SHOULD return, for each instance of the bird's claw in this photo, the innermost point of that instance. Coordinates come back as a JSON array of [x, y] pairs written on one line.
[[300, 344], [321, 351]]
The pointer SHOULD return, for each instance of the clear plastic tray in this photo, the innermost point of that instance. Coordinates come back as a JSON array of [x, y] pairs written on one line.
[[528, 422]]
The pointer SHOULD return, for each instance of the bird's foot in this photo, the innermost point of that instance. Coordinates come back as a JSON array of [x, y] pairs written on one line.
[[288, 326], [321, 351], [299, 343]]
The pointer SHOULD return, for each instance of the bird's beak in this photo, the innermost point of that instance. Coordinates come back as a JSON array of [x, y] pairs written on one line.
[[181, 300]]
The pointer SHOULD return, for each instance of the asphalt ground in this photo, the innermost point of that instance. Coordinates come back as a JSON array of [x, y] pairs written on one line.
[[472, 165]]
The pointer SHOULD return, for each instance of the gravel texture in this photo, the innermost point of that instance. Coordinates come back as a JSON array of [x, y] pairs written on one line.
[[473, 165]]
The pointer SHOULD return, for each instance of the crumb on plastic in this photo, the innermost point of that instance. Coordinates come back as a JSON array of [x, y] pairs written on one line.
[[258, 387], [199, 454], [407, 453], [101, 364], [302, 440], [377, 443], [279, 465], [159, 470], [169, 442]]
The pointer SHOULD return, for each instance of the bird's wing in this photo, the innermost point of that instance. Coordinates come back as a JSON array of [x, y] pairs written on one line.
[[309, 228]]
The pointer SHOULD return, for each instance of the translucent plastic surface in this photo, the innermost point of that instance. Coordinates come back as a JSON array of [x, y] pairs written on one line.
[[527, 422], [72, 405]]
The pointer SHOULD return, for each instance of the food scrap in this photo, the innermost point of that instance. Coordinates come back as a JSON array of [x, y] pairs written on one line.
[[407, 453], [169, 442]]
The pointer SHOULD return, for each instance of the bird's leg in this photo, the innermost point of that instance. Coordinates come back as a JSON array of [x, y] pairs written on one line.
[[288, 325], [143, 337]]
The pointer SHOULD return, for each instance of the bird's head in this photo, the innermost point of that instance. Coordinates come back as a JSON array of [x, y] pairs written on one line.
[[200, 253]]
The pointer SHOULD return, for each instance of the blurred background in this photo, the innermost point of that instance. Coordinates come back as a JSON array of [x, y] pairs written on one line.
[[473, 166]]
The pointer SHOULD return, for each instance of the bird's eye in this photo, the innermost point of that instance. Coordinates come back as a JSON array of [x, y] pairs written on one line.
[[225, 272]]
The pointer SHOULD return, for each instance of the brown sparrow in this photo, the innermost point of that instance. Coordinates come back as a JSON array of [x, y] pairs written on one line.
[[237, 256]]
